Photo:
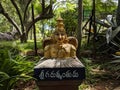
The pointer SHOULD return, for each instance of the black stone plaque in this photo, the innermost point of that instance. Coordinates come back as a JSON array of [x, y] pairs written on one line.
[[59, 73]]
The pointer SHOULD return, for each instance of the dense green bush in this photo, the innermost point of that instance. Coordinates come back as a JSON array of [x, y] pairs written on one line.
[[13, 67]]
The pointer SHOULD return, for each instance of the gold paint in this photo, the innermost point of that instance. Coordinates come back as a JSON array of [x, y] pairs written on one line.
[[59, 45]]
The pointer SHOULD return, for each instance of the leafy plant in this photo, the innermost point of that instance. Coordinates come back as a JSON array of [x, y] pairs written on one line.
[[88, 66], [93, 71], [12, 68]]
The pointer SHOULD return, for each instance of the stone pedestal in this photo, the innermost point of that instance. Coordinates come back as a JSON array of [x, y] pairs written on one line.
[[59, 78], [59, 85]]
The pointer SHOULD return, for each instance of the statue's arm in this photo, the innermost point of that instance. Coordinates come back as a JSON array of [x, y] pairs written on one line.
[[73, 51], [47, 52]]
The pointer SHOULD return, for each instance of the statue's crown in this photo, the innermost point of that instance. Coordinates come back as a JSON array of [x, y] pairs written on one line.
[[60, 25]]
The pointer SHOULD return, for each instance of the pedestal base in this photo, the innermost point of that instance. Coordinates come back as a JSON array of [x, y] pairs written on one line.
[[59, 78], [59, 85]]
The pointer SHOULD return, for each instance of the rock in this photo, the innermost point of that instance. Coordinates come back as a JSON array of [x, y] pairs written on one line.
[[6, 36]]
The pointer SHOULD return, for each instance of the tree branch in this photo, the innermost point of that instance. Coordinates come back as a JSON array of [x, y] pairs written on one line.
[[1, 8], [39, 17], [43, 6], [2, 11], [20, 17], [26, 9], [12, 22], [46, 14]]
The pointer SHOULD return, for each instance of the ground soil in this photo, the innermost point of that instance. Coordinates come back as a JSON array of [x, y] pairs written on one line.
[[106, 85], [110, 84]]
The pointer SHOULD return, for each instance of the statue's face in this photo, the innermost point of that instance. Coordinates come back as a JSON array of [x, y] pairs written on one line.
[[60, 37]]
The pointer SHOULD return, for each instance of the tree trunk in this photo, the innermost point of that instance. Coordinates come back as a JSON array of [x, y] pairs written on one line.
[[79, 35], [23, 38], [118, 14]]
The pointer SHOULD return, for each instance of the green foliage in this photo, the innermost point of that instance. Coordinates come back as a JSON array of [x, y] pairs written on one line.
[[37, 6], [19, 14], [62, 6], [105, 8], [70, 21], [101, 8], [91, 76], [24, 66], [6, 62], [83, 86], [88, 66], [9, 49], [87, 4], [13, 67], [4, 25], [29, 45], [6, 70]]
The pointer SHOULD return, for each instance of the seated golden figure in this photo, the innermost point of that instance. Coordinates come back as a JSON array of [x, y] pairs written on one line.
[[59, 50]]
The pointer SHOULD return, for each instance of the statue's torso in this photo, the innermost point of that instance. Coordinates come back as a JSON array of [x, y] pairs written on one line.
[[62, 51]]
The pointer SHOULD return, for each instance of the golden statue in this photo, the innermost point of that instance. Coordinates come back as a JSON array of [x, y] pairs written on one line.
[[59, 50]]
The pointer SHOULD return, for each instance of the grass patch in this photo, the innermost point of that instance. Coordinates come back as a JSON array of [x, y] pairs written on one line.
[[22, 46], [29, 45]]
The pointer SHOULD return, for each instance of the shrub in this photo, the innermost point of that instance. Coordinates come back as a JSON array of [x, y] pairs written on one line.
[[13, 67]]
